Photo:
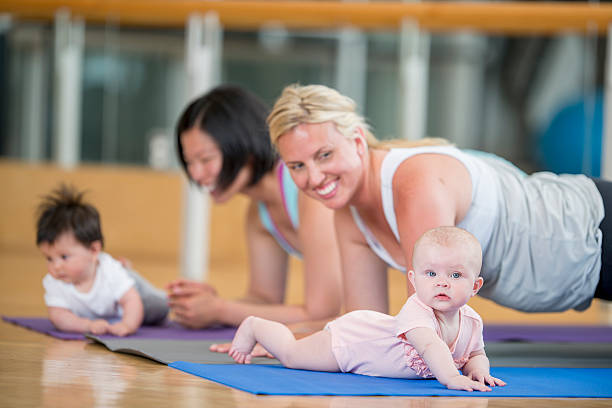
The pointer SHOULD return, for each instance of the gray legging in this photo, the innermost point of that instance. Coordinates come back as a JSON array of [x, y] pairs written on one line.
[[154, 301]]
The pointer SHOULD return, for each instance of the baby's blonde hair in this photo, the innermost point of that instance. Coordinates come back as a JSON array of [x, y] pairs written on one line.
[[449, 236], [318, 104]]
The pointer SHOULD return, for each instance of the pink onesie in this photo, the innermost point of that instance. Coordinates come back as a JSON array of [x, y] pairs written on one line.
[[373, 343]]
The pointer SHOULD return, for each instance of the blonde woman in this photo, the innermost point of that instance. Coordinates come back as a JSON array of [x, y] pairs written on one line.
[[542, 235]]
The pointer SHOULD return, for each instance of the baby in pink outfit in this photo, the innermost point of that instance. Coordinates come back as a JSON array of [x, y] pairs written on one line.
[[436, 333]]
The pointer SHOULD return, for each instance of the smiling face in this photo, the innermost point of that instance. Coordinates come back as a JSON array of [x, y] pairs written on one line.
[[204, 162], [323, 163], [69, 260], [445, 277]]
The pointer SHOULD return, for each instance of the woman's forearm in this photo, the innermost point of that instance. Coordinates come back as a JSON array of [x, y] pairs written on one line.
[[233, 312]]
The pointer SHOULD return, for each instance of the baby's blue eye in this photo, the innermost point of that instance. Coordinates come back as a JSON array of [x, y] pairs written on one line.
[[64, 257], [325, 155], [456, 275], [431, 273]]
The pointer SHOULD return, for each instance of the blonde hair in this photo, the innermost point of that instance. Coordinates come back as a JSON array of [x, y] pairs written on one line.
[[449, 236], [318, 104]]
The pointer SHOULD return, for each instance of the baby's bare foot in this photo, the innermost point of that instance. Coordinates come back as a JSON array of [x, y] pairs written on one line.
[[243, 342]]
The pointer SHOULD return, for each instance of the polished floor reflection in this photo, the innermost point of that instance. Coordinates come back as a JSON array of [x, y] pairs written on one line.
[[44, 372]]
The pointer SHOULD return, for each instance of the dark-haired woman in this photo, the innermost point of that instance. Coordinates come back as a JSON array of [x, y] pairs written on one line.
[[225, 148]]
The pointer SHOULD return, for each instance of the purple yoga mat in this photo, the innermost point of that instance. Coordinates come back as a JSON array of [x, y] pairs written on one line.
[[168, 331], [492, 332], [547, 334]]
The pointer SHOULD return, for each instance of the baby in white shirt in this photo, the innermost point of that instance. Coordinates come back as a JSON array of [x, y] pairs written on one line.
[[86, 290]]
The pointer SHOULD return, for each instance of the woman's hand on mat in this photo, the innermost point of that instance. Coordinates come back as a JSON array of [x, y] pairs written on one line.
[[197, 310], [184, 287], [258, 350], [461, 382], [99, 326], [485, 378]]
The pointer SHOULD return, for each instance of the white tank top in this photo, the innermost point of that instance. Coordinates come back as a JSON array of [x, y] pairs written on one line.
[[480, 218], [539, 233]]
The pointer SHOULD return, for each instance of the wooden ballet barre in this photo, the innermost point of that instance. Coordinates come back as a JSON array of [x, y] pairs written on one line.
[[509, 18]]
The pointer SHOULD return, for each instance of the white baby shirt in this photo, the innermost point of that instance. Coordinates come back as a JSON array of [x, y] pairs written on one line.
[[102, 301]]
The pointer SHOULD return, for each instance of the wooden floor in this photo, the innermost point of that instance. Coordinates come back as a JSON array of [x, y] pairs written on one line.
[[39, 371]]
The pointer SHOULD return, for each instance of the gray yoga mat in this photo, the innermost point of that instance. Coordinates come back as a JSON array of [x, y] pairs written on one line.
[[569, 355], [168, 351]]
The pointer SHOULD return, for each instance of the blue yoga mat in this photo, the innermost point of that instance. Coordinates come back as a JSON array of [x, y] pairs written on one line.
[[522, 382]]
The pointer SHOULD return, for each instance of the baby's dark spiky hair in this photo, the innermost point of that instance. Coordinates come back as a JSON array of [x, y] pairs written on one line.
[[65, 211]]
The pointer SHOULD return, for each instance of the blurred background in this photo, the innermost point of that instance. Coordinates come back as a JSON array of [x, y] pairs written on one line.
[[94, 101]]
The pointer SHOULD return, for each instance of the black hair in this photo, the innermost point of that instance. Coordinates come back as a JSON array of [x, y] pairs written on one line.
[[65, 211], [236, 120]]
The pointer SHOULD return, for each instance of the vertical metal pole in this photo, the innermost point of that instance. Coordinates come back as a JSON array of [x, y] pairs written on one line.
[[588, 108], [33, 106], [351, 65], [69, 36], [203, 56], [175, 101], [414, 67], [110, 98]]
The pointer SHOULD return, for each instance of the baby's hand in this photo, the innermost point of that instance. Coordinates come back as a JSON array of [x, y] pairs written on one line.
[[99, 326], [461, 382], [485, 378], [120, 329]]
